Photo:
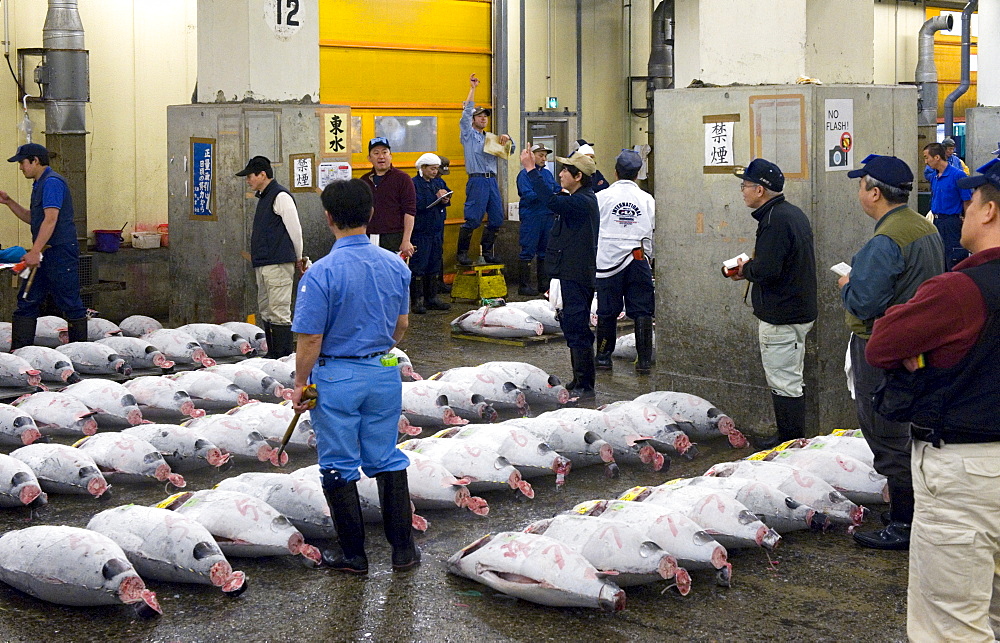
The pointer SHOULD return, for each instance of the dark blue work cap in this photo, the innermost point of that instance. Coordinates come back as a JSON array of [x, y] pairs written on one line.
[[629, 161], [28, 150], [887, 169], [989, 173], [763, 172]]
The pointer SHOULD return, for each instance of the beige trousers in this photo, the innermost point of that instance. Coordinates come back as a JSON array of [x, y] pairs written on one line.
[[274, 292], [783, 354], [954, 588]]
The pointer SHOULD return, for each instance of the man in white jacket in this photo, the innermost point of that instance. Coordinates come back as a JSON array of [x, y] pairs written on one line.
[[624, 274]]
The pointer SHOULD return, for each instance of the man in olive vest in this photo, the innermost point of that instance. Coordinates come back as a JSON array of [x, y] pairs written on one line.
[[905, 251], [275, 251]]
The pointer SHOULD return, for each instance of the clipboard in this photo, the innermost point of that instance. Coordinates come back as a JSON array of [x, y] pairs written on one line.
[[441, 198]]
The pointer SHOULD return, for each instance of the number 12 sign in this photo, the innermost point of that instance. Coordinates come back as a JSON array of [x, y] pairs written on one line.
[[283, 16]]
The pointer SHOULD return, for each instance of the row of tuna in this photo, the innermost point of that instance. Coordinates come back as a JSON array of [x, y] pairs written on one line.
[[584, 556]]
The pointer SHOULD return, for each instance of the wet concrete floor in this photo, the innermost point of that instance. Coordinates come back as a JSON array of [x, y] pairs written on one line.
[[821, 588]]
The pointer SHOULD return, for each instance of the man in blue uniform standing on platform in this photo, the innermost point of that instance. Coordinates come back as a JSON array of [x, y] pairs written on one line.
[[948, 202], [536, 221], [52, 230], [351, 310], [482, 192]]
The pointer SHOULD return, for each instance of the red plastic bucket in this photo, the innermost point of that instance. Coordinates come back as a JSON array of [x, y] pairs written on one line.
[[107, 240]]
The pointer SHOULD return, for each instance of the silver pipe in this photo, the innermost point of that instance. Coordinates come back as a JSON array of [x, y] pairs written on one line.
[[66, 75], [949, 102], [6, 28], [660, 68], [926, 75]]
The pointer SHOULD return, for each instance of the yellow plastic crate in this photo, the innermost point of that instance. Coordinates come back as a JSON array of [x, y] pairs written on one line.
[[479, 282]]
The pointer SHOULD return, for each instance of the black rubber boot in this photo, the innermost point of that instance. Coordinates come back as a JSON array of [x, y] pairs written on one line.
[[431, 301], [644, 345], [283, 341], [607, 329], [583, 373], [345, 509], [525, 288], [397, 519], [896, 535], [22, 331], [417, 295], [268, 337], [78, 330], [489, 238], [543, 277], [790, 415], [464, 240]]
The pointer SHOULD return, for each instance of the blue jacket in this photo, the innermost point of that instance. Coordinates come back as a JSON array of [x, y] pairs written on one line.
[[533, 204], [428, 221]]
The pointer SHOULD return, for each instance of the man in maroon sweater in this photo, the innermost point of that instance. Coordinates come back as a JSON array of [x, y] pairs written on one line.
[[951, 328], [395, 201]]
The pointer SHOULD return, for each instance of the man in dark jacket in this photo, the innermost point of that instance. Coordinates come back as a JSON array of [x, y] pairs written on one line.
[[428, 234], [395, 200], [782, 275], [571, 257]]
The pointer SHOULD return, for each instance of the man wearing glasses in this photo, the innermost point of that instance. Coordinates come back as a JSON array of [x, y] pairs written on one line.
[[395, 200], [783, 292]]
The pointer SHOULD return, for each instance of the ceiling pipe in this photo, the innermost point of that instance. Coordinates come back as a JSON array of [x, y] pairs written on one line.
[[926, 75], [949, 102]]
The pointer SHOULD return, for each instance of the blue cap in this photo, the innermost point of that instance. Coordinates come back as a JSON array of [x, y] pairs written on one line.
[[763, 172], [377, 141], [629, 161], [888, 169], [27, 150], [989, 173]]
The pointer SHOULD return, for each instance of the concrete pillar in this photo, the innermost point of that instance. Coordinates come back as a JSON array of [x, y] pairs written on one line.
[[259, 51], [988, 80], [816, 38]]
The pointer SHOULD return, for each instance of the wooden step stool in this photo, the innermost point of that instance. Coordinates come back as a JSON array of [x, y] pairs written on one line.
[[479, 282]]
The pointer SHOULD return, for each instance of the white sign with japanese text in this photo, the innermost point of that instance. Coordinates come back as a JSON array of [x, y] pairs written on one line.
[[719, 144], [330, 171], [302, 171]]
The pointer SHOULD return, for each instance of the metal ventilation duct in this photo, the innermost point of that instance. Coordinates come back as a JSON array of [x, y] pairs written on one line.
[[926, 75], [65, 75]]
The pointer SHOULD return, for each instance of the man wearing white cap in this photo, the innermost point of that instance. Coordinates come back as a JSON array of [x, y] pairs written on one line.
[[428, 234], [536, 221], [598, 182]]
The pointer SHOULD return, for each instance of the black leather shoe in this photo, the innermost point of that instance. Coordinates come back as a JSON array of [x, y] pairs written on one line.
[[336, 560], [764, 442], [402, 560], [885, 517], [894, 537], [602, 362]]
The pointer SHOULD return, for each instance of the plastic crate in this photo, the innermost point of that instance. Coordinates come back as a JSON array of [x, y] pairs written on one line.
[[145, 240]]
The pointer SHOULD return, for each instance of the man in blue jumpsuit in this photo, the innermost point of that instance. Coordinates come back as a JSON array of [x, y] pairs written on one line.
[[948, 202], [482, 193], [351, 309], [52, 230], [536, 221]]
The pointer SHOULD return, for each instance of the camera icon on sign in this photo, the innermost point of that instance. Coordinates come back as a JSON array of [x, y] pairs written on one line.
[[838, 157]]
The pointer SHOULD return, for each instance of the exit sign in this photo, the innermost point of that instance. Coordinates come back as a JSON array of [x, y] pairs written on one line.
[[552, 102]]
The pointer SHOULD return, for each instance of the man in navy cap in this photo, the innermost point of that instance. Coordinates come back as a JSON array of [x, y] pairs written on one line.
[[948, 202], [624, 274], [948, 335], [783, 277], [905, 251], [50, 216]]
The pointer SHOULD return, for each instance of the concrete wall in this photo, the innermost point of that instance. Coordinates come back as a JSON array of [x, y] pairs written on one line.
[[706, 337], [983, 135], [836, 52], [142, 58], [896, 27]]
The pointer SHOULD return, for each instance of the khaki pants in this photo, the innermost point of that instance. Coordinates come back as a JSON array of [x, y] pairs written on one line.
[[274, 292], [783, 353], [954, 588]]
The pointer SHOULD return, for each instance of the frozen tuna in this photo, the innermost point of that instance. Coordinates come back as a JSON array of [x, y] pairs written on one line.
[[798, 484], [18, 484], [284, 372], [17, 427], [95, 359], [465, 403], [230, 434], [210, 388], [16, 372], [538, 386], [137, 352], [695, 416], [502, 321], [163, 394], [726, 519], [127, 459], [431, 487], [540, 310], [253, 334], [252, 380], [615, 548], [625, 348], [406, 428], [243, 526], [630, 447], [109, 398], [484, 468], [495, 389], [5, 336], [54, 366], [572, 440], [405, 366], [298, 498], [424, 405], [537, 569], [98, 328], [63, 469], [72, 566], [139, 325], [58, 413], [850, 476], [164, 545], [530, 455], [218, 341], [184, 449], [272, 421], [51, 331], [178, 346], [842, 444], [648, 420]]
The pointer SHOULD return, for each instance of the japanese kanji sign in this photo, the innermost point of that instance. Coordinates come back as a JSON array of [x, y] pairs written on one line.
[[302, 168], [203, 179], [336, 133], [719, 144]]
